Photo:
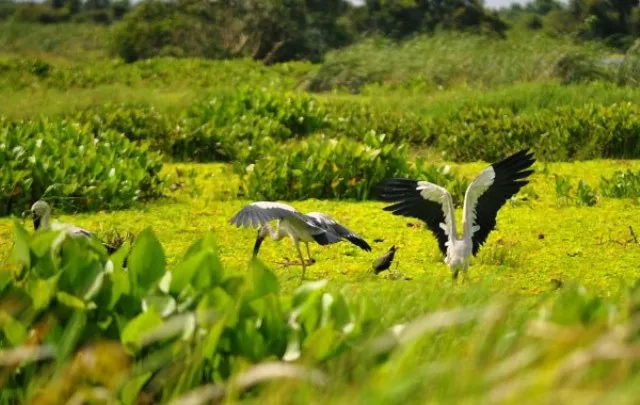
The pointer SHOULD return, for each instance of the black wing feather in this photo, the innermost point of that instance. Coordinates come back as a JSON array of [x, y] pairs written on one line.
[[351, 237], [409, 203], [339, 231], [509, 178]]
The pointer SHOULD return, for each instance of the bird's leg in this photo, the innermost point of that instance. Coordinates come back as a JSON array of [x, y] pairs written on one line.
[[311, 260], [454, 275], [304, 267]]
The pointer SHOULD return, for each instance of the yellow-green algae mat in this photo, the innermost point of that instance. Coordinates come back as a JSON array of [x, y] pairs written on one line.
[[537, 242]]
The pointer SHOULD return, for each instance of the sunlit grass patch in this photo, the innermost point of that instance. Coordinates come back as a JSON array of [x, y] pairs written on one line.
[[535, 240]]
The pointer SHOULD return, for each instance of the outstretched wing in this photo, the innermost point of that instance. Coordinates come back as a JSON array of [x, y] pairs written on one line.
[[489, 191], [258, 213], [423, 200], [331, 225]]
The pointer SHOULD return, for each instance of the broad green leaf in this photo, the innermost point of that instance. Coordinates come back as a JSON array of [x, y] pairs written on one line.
[[302, 292], [5, 278], [146, 262], [133, 334], [117, 258], [248, 341], [14, 330], [164, 305], [21, 251], [70, 300], [81, 268], [42, 291], [340, 311], [212, 339], [184, 272], [132, 388], [264, 281], [70, 336], [320, 343]]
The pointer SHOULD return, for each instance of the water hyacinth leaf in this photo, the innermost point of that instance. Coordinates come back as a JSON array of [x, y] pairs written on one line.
[[209, 266], [70, 336], [42, 291], [117, 258], [146, 262], [184, 272], [164, 305], [248, 341], [71, 301], [264, 281], [14, 331], [120, 285], [212, 339], [302, 292], [319, 344], [136, 329], [21, 251], [131, 389], [5, 279], [81, 268]]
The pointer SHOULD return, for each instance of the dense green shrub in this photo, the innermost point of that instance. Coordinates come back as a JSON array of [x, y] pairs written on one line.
[[140, 123], [153, 73], [245, 125], [124, 328], [324, 167], [55, 158], [157, 28], [449, 60], [99, 16], [38, 13], [356, 119], [592, 131]]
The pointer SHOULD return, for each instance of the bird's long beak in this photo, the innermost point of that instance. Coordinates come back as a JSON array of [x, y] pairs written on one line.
[[256, 246]]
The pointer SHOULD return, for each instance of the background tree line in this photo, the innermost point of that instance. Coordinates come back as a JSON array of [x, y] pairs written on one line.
[[281, 30]]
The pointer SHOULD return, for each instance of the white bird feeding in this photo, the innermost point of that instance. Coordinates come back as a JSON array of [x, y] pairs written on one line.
[[311, 227], [434, 206]]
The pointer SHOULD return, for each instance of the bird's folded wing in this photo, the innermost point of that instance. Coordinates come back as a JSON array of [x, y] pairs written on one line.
[[70, 229]]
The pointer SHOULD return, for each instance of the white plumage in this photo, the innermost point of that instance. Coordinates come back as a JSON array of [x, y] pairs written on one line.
[[311, 227], [484, 197], [41, 213]]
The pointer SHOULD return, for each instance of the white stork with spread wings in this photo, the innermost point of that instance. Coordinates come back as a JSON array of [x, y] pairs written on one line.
[[314, 226], [484, 197]]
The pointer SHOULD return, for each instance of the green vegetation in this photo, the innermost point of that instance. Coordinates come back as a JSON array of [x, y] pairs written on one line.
[[156, 155], [515, 275], [43, 158]]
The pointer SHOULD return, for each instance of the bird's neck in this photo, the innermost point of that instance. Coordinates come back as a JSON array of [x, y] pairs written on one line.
[[41, 222], [276, 234]]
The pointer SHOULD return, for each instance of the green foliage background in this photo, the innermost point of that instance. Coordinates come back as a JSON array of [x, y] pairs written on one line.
[[548, 314]]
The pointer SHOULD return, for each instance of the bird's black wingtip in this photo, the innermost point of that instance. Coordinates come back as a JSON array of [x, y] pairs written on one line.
[[361, 243], [388, 189]]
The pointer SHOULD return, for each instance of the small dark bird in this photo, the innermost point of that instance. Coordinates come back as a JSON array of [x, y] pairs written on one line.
[[383, 262]]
